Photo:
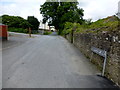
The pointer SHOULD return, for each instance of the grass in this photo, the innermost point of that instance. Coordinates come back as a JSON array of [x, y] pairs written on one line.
[[47, 33], [20, 30], [107, 24]]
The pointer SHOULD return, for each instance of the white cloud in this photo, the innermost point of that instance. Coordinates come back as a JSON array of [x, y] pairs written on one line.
[[94, 9], [97, 9], [24, 1], [10, 9], [23, 8]]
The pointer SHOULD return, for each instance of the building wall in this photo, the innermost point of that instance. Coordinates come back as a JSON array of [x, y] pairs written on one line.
[[43, 26]]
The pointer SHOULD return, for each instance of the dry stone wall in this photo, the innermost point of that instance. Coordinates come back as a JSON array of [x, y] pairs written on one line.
[[106, 40]]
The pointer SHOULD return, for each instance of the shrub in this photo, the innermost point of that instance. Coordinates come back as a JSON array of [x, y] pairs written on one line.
[[47, 33], [20, 30], [106, 24]]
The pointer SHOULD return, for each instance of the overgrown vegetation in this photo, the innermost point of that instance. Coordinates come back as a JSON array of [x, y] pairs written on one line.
[[20, 30], [109, 23], [15, 21], [19, 24], [47, 32]]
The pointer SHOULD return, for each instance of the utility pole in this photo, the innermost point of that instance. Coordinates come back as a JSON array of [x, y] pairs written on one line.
[[29, 32], [74, 28]]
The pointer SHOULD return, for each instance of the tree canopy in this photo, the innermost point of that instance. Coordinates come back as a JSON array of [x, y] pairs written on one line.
[[15, 21], [34, 22], [19, 24], [56, 14]]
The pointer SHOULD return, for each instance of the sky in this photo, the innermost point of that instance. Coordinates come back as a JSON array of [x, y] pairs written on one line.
[[93, 9]]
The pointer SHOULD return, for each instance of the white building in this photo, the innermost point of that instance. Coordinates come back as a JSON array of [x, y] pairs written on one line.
[[52, 28], [43, 26], [46, 27]]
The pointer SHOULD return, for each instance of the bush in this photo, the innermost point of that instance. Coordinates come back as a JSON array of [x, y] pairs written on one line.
[[34, 32], [68, 28], [20, 30], [107, 24], [47, 33]]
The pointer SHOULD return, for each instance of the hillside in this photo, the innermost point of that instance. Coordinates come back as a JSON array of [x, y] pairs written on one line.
[[107, 24]]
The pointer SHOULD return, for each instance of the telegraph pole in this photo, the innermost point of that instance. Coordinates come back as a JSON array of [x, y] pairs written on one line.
[[29, 32]]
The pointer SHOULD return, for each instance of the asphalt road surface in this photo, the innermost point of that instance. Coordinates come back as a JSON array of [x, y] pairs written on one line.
[[47, 62]]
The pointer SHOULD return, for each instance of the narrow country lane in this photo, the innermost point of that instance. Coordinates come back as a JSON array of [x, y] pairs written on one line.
[[47, 62]]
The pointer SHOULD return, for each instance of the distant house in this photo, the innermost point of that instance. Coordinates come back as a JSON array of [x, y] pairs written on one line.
[[3, 31], [45, 27], [52, 28]]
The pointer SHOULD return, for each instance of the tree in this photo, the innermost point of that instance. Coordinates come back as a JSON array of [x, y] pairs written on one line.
[[56, 14], [15, 21], [88, 21], [34, 22]]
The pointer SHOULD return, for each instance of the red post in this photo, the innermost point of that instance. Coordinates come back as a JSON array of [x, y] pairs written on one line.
[[3, 32]]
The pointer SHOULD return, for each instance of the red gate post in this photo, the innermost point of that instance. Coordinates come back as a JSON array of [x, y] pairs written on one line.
[[3, 32]]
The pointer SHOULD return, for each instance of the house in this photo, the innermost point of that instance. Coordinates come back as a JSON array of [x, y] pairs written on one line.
[[45, 27]]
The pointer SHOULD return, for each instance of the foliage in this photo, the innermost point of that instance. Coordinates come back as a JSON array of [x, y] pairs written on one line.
[[34, 32], [68, 28], [20, 30], [110, 23], [34, 22], [106, 22], [88, 21], [15, 21], [19, 24], [58, 13], [47, 33]]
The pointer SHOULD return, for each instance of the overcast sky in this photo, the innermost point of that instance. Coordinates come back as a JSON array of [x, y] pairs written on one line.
[[95, 9]]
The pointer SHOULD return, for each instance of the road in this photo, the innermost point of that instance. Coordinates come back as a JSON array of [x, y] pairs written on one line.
[[47, 62]]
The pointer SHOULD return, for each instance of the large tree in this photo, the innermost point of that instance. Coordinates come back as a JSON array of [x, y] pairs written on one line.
[[56, 14], [34, 22]]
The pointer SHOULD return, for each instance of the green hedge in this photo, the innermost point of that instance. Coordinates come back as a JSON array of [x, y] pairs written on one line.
[[47, 33], [20, 30]]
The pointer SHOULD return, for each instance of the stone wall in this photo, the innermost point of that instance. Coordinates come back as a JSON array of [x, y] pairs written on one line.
[[106, 40]]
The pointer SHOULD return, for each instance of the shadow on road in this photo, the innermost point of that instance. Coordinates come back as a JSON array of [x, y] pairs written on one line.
[[90, 81]]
